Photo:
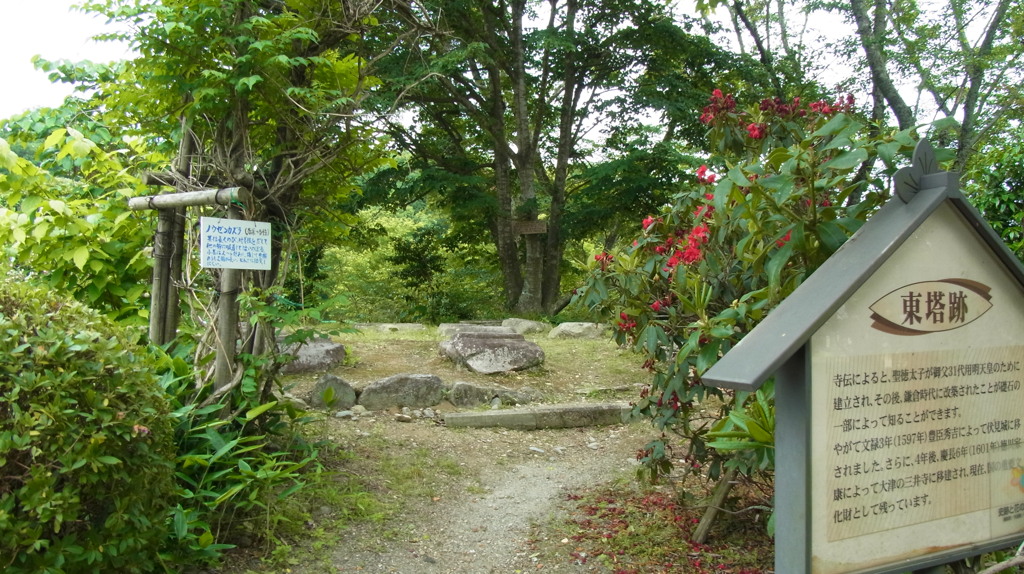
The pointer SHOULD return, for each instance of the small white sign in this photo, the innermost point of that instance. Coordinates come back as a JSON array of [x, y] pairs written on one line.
[[234, 244]]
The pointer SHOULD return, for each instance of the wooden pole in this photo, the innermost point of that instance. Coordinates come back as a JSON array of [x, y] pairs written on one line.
[[161, 271], [172, 306], [227, 320]]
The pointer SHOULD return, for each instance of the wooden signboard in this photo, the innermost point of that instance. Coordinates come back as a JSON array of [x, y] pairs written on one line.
[[899, 366], [530, 227]]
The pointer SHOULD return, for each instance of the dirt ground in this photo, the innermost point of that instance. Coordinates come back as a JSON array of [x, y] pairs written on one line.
[[480, 499], [499, 490]]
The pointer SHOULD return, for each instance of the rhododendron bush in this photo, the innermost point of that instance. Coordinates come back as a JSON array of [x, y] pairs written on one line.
[[785, 185]]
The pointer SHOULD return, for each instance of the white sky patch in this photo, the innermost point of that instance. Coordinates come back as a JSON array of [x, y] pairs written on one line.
[[51, 29]]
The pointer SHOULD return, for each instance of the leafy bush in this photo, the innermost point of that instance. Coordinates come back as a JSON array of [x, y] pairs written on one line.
[[238, 458], [789, 183], [85, 441], [77, 235]]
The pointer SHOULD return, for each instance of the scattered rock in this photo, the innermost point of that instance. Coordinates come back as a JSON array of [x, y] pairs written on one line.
[[405, 390], [343, 396], [578, 331], [344, 415], [448, 330], [403, 418], [525, 326], [313, 355], [359, 410], [490, 353], [537, 450], [470, 395], [391, 327]]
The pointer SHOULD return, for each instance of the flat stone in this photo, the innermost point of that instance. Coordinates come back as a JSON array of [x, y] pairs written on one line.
[[488, 353], [576, 330], [448, 330], [391, 327], [313, 355], [470, 395], [557, 416], [343, 395], [405, 390], [525, 326]]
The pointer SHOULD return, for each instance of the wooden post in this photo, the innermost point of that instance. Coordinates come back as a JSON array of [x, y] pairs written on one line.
[[161, 276], [227, 320], [163, 314], [173, 304]]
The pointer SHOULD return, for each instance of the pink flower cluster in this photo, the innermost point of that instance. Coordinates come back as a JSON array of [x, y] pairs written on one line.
[[691, 253], [626, 323], [824, 108], [719, 103], [704, 177], [780, 108], [757, 131]]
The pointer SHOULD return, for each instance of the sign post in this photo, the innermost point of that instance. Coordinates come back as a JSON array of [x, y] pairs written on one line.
[[229, 244], [899, 366]]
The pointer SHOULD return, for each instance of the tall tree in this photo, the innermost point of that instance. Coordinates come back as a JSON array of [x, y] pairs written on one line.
[[260, 95], [519, 94], [957, 61]]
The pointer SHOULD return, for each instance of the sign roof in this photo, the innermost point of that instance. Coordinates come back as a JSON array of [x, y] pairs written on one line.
[[920, 189]]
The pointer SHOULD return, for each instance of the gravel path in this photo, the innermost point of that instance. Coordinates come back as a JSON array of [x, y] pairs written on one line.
[[522, 482]]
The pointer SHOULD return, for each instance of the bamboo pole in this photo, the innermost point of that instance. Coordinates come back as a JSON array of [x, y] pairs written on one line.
[[161, 269], [172, 306], [191, 198]]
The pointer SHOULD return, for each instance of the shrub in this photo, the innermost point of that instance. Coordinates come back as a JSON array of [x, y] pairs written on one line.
[[85, 441], [791, 181]]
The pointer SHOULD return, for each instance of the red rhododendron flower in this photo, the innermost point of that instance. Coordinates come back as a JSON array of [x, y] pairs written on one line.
[[719, 103], [692, 254], [704, 177], [784, 239], [757, 131], [699, 234]]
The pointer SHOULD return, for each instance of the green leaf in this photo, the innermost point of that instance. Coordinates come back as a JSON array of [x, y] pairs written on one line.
[[776, 264], [106, 459], [847, 160], [81, 256], [55, 138], [831, 235], [31, 203], [758, 433], [833, 126], [737, 176], [255, 412], [180, 523]]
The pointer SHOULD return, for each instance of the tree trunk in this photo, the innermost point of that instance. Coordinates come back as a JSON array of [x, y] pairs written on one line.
[[870, 40], [725, 484]]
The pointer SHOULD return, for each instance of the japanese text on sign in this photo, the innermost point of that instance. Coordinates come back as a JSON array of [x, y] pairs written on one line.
[[920, 437], [234, 244]]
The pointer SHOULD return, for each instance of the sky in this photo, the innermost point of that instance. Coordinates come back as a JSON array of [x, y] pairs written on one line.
[[52, 30]]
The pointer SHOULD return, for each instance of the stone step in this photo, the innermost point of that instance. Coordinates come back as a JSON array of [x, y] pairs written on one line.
[[545, 417]]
